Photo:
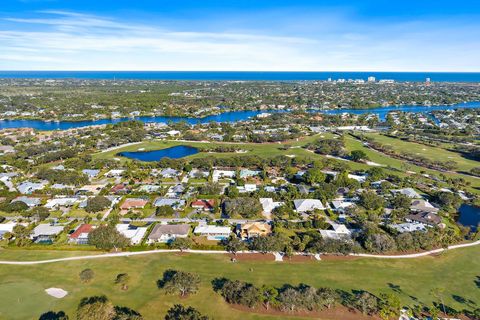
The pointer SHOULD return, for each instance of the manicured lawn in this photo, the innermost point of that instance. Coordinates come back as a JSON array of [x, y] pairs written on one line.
[[21, 287], [433, 153]]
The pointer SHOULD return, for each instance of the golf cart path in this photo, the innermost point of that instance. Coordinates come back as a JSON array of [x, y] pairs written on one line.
[[129, 254]]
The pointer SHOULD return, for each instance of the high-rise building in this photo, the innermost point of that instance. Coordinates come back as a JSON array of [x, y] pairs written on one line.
[[371, 79]]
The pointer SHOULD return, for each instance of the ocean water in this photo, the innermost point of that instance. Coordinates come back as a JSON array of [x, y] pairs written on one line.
[[243, 75]]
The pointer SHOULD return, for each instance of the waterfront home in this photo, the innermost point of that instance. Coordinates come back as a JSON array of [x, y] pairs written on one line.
[[45, 233], [133, 233], [166, 233], [306, 205], [175, 203], [29, 201], [253, 229], [427, 218], [203, 204], [80, 235], [213, 232], [420, 205]]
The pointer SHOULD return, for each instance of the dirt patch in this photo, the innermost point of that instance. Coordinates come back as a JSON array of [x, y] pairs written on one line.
[[253, 257], [337, 313]]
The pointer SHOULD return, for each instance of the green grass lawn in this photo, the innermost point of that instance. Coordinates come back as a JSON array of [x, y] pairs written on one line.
[[23, 297], [433, 153]]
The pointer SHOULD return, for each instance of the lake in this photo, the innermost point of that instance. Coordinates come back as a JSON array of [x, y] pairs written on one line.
[[469, 216], [229, 116], [156, 155]]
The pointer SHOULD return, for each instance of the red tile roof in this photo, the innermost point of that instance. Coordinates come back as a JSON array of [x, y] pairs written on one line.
[[205, 204], [84, 228]]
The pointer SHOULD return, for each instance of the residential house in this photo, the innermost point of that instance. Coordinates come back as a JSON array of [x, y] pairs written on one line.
[[269, 205], [409, 192], [204, 205], [91, 173], [175, 203], [306, 205], [133, 203], [338, 232], [247, 173], [91, 188], [420, 205], [248, 187], [45, 233], [341, 204], [29, 201], [213, 232], [409, 227], [114, 173], [28, 187], [222, 174], [133, 233], [253, 229], [195, 173], [60, 202], [168, 232], [169, 173], [121, 188], [149, 188], [175, 191], [80, 235], [427, 218]]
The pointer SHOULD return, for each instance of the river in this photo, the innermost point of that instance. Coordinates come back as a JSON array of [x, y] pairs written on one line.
[[229, 116]]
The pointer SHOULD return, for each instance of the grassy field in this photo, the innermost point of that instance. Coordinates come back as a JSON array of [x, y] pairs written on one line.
[[433, 153], [23, 296]]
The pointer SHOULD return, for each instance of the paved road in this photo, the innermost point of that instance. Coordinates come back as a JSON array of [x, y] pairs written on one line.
[[129, 254]]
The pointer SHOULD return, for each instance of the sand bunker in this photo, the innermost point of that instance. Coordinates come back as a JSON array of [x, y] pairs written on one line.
[[56, 292]]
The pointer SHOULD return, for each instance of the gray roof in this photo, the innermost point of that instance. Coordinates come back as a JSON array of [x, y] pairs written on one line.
[[169, 229], [169, 202]]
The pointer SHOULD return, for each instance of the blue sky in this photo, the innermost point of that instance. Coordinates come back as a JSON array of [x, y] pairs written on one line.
[[354, 35]]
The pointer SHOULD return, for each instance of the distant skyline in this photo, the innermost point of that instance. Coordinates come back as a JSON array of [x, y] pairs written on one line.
[[354, 35]]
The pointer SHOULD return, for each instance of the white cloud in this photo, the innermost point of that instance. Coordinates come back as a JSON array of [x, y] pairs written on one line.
[[59, 40]]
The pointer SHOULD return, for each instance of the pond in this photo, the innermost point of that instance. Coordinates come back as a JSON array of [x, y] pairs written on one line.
[[469, 216], [156, 155]]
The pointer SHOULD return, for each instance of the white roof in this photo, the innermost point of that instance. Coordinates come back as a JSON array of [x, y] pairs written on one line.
[[302, 205], [60, 202], [47, 230], [268, 204], [207, 229], [7, 227], [135, 234]]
